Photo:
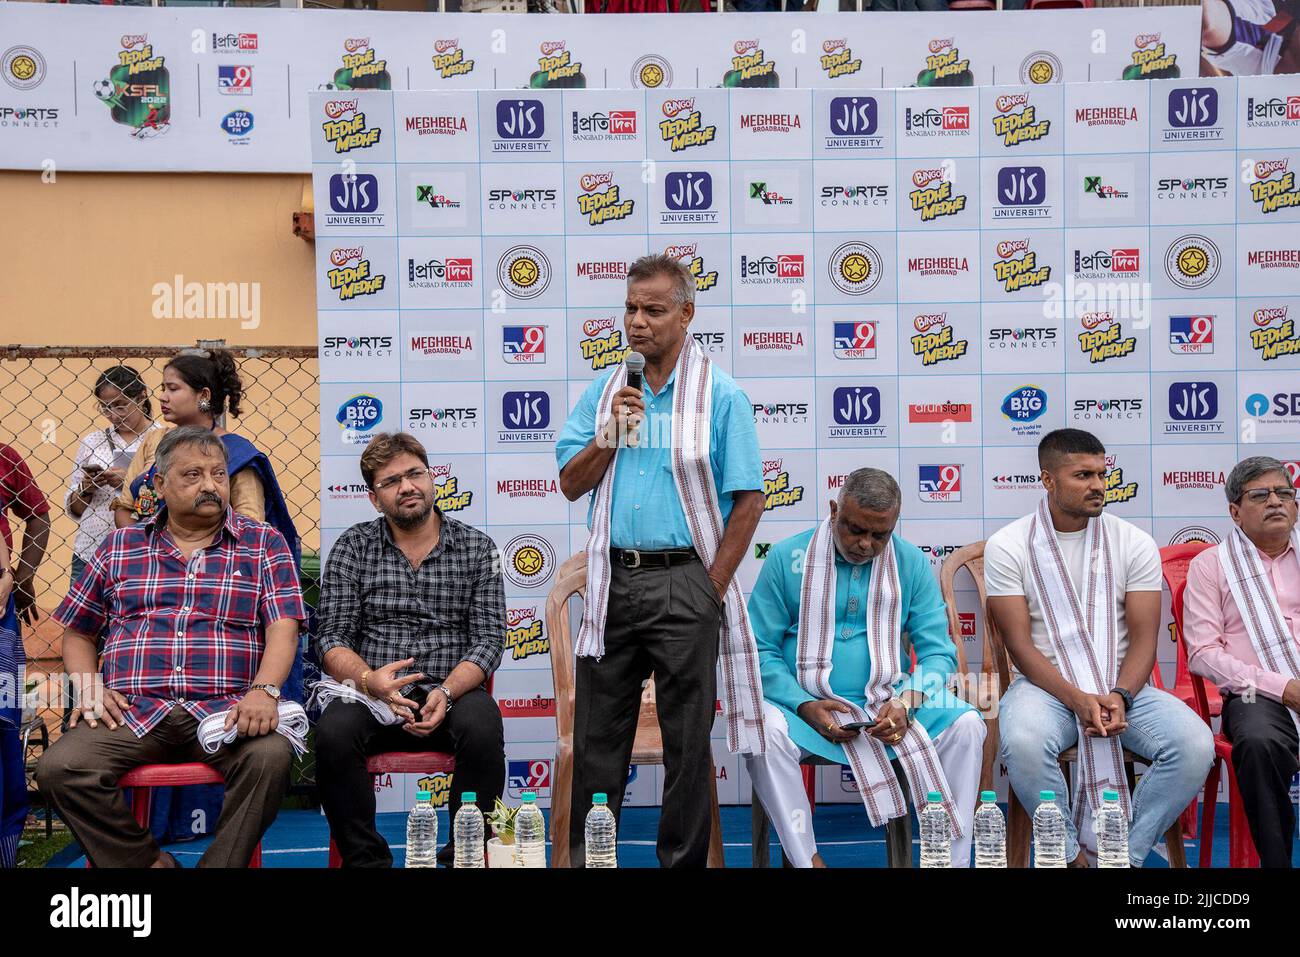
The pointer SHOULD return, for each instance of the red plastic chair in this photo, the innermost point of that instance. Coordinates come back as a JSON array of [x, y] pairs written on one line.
[[401, 762], [972, 5], [143, 779], [1241, 847], [1174, 560]]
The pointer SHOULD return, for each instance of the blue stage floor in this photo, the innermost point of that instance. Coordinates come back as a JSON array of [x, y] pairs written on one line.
[[300, 839]]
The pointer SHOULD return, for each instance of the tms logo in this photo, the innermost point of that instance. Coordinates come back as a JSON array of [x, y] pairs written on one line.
[[1193, 401], [855, 340], [521, 119], [1190, 109], [523, 345], [532, 774], [1191, 335], [853, 116], [525, 411], [354, 193], [939, 483], [856, 405]]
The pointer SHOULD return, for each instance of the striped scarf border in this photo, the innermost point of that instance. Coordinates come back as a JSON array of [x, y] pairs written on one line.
[[1086, 640], [1256, 599], [742, 689], [881, 793]]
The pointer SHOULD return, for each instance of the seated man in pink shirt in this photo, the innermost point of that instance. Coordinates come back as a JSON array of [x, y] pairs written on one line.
[[1241, 616]]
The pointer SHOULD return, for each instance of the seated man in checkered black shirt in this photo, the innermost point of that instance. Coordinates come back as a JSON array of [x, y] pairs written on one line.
[[412, 589]]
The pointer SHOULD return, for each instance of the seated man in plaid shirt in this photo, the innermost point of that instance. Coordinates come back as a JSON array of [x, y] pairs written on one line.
[[412, 588], [200, 609]]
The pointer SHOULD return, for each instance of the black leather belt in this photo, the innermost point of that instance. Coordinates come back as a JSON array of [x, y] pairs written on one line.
[[632, 558]]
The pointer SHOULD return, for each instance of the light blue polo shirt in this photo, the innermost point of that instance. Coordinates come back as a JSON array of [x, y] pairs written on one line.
[[647, 512]]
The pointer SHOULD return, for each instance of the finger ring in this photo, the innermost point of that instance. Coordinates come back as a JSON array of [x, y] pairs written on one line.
[[829, 726]]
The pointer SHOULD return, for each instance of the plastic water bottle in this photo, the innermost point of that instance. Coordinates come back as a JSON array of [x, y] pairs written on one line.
[[468, 831], [936, 833], [990, 832], [1049, 832], [1110, 824], [530, 833], [602, 843], [422, 832]]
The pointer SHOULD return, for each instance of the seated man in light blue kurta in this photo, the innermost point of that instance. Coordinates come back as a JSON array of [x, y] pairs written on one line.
[[855, 664]]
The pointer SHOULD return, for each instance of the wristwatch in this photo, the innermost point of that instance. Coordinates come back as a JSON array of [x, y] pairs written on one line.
[[447, 691], [908, 710], [1128, 698], [272, 690]]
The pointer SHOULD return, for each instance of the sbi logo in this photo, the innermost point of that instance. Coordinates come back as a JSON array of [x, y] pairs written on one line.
[[237, 123], [1256, 404], [1283, 403], [360, 413]]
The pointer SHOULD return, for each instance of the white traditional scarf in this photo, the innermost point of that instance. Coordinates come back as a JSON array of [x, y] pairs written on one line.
[[1085, 634], [1252, 589], [877, 783], [742, 693], [327, 689], [213, 734]]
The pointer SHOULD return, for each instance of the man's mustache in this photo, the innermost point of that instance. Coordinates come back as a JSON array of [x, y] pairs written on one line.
[[204, 497]]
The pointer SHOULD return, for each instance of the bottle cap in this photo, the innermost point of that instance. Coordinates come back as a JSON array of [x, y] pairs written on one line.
[[1047, 795], [934, 797], [529, 797], [990, 797], [1110, 796], [423, 796], [600, 797], [468, 797]]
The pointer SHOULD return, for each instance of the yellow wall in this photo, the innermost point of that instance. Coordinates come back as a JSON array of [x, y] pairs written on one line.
[[82, 259], [85, 252]]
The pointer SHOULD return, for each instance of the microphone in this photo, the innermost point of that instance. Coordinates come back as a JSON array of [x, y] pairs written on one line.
[[635, 363]]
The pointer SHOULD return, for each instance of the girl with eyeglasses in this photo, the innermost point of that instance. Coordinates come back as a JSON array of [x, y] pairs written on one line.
[[103, 457]]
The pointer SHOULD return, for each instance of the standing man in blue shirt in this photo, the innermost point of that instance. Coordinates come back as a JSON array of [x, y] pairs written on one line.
[[673, 468]]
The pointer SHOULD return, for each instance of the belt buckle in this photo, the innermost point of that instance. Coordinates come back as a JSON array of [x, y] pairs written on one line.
[[636, 558]]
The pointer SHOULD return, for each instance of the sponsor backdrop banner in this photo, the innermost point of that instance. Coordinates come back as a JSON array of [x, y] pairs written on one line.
[[89, 88], [923, 280]]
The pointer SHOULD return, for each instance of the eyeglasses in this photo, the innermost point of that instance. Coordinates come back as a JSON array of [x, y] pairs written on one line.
[[412, 475], [1258, 496]]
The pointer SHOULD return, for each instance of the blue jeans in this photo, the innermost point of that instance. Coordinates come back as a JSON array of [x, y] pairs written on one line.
[[1035, 728]]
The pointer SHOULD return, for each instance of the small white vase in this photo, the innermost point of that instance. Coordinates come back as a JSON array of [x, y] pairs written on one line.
[[500, 855]]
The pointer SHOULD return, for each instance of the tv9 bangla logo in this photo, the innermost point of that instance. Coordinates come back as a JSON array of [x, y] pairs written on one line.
[[529, 774], [939, 483]]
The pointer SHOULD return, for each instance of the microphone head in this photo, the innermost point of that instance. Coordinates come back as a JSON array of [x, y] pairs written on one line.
[[635, 362]]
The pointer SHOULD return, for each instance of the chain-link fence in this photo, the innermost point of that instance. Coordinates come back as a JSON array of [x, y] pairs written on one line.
[[47, 406]]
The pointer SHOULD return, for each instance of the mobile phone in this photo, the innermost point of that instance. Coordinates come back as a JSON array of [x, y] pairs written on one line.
[[856, 725], [92, 468]]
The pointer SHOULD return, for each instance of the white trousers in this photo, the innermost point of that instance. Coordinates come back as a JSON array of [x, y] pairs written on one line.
[[778, 783]]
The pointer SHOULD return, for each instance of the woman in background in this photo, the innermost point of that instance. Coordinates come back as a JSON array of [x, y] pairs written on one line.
[[102, 460]]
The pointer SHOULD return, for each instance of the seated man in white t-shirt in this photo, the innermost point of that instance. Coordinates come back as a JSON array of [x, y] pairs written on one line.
[[1076, 596]]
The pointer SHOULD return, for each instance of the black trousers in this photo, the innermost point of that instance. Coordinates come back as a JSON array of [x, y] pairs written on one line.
[[665, 621], [347, 733], [1264, 746]]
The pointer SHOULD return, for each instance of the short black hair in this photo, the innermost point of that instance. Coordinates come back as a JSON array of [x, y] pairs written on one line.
[[1062, 442]]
